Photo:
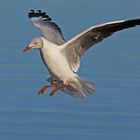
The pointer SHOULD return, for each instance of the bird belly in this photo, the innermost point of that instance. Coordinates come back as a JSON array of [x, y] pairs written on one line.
[[61, 70], [58, 66]]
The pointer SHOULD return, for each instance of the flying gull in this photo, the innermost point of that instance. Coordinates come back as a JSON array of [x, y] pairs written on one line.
[[62, 58]]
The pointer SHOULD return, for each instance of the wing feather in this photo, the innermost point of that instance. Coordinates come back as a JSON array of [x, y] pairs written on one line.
[[75, 48], [50, 30]]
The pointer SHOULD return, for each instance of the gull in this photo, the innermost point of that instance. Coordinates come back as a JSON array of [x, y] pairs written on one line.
[[62, 58]]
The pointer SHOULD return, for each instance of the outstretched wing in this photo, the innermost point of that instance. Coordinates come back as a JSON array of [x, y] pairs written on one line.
[[50, 30], [77, 46]]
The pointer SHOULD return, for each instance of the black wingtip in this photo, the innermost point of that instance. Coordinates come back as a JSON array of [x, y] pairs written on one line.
[[38, 13], [31, 13]]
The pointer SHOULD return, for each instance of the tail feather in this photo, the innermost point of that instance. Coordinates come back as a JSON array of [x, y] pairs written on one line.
[[80, 88]]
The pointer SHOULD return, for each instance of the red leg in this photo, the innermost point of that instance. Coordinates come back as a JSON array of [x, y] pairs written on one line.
[[56, 89], [42, 90]]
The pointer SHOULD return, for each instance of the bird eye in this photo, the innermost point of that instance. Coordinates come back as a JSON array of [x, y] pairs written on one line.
[[35, 43]]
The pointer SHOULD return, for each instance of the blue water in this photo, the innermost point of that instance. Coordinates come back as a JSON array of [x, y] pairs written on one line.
[[114, 66]]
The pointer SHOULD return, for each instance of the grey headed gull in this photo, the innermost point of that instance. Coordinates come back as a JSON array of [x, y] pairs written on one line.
[[62, 58]]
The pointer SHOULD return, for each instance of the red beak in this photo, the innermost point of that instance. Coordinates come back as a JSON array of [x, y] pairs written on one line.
[[26, 49]]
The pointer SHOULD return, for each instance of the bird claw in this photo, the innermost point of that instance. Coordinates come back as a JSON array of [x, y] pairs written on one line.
[[42, 90], [55, 85], [56, 89], [51, 94]]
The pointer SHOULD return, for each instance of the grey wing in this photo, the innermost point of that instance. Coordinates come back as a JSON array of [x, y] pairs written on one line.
[[50, 30], [77, 46]]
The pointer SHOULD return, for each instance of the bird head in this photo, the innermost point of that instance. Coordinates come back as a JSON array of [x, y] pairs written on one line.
[[36, 43]]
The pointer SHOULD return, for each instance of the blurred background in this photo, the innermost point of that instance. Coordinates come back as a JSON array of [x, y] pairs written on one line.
[[113, 65]]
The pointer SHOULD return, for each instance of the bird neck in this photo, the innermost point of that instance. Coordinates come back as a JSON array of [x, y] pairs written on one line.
[[47, 43]]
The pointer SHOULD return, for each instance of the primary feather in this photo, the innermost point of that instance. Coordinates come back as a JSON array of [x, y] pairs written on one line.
[[63, 58], [51, 31]]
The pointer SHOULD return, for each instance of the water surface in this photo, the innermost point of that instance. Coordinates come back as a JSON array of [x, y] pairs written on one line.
[[114, 66]]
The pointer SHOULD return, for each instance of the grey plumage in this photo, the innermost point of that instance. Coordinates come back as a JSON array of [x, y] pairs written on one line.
[[50, 30], [75, 48], [63, 58]]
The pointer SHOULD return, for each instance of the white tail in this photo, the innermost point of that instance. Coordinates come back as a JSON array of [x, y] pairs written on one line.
[[80, 88]]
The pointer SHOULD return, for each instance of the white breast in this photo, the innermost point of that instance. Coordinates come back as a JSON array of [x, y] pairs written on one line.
[[55, 61]]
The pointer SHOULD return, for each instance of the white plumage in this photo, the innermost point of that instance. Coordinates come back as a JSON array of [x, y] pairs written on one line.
[[62, 58]]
